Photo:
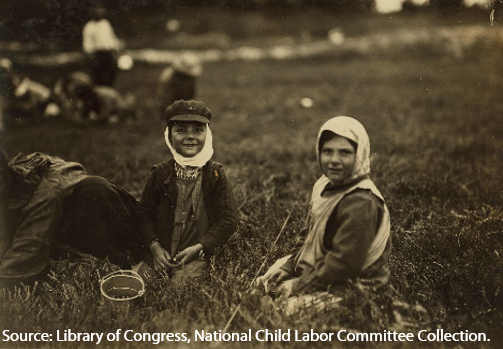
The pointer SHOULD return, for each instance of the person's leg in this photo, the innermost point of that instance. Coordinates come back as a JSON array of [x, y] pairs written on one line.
[[102, 221], [40, 220], [105, 68], [96, 68], [111, 69]]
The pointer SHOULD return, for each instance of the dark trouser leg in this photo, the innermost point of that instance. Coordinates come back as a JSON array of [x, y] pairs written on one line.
[[104, 68], [102, 221], [40, 220]]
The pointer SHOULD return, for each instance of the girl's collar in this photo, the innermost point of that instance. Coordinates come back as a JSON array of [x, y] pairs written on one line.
[[333, 187]]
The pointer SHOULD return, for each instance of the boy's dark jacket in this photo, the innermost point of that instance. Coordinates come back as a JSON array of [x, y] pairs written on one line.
[[157, 205]]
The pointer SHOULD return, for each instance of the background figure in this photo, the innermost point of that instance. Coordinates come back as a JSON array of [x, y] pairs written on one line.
[[5, 87], [101, 44], [64, 95], [78, 99], [30, 97], [21, 97], [47, 201], [179, 80], [107, 105]]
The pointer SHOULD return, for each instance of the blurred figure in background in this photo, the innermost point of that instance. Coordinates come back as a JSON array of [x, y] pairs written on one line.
[[178, 82], [31, 96], [76, 98], [102, 45], [106, 105], [21, 97], [64, 101], [5, 87], [496, 14]]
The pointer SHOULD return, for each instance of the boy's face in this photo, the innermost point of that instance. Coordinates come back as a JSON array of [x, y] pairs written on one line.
[[337, 158], [188, 138]]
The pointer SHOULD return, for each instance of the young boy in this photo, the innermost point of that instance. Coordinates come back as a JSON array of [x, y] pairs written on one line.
[[348, 231], [187, 208]]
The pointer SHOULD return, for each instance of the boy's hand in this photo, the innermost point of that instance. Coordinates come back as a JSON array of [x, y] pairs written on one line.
[[161, 257], [189, 254]]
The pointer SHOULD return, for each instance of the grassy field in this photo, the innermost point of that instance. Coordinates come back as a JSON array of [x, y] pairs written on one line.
[[435, 124]]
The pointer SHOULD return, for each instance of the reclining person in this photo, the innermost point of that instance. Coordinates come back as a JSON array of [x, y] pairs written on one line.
[[76, 98], [46, 201], [20, 97]]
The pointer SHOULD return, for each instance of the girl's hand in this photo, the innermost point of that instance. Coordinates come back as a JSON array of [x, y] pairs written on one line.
[[161, 257], [288, 288], [275, 278], [189, 254], [279, 276]]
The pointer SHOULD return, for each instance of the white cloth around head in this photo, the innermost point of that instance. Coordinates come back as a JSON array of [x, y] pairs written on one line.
[[353, 130], [198, 160]]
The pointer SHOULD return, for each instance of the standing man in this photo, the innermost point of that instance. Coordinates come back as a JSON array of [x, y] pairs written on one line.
[[101, 44]]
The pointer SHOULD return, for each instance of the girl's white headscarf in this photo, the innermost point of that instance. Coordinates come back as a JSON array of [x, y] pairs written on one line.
[[200, 159], [351, 129]]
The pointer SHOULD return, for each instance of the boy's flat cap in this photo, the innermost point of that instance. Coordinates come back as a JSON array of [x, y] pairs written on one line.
[[188, 111]]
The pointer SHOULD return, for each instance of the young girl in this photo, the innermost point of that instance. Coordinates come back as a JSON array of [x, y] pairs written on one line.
[[348, 230], [187, 209]]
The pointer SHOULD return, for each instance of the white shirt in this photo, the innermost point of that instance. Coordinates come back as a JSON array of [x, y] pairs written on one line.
[[99, 35]]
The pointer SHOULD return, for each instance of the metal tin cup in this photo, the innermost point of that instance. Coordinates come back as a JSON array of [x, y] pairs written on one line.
[[122, 288]]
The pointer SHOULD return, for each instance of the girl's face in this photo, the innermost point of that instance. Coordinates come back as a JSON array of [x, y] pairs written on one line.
[[337, 159], [188, 138]]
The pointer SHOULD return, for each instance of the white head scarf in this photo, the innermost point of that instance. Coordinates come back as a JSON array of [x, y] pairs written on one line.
[[353, 130], [200, 159]]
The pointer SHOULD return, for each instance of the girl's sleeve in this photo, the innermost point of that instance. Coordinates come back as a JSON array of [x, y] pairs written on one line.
[[147, 210], [225, 212], [289, 265], [350, 231]]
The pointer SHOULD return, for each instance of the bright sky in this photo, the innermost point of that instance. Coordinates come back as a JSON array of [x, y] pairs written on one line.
[[388, 6]]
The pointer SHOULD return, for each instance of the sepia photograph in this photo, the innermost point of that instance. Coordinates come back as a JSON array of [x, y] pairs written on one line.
[[251, 174]]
